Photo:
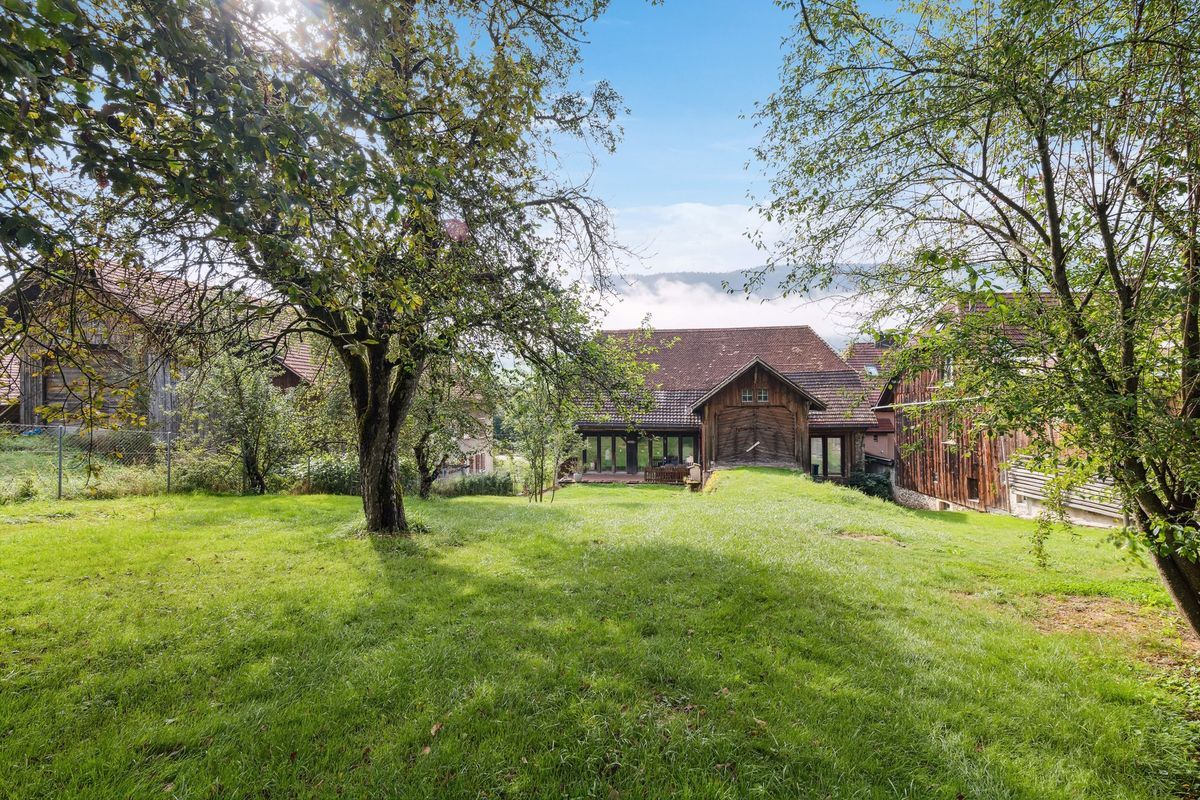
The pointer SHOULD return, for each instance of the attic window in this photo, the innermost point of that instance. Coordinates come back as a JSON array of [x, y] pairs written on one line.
[[747, 395], [872, 370], [763, 396]]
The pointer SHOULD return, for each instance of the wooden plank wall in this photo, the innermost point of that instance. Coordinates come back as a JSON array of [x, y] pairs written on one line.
[[779, 396], [935, 460]]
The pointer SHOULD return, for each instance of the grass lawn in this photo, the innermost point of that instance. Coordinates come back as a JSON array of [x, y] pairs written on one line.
[[771, 638]]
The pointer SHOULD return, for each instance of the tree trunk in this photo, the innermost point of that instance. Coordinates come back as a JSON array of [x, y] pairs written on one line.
[[383, 503], [382, 393], [426, 469], [255, 479], [1182, 578]]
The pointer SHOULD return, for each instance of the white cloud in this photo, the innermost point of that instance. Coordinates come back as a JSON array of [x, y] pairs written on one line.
[[679, 304], [690, 237]]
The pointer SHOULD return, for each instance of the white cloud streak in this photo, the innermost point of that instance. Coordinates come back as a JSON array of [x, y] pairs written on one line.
[[691, 237]]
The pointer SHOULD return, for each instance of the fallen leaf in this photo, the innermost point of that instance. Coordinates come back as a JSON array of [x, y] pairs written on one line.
[[437, 726], [760, 723], [426, 750]]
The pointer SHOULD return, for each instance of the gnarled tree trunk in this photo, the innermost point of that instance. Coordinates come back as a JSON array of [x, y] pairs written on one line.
[[381, 392]]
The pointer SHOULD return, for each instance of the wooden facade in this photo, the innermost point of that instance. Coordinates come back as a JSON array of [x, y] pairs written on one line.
[[968, 466], [964, 466], [767, 426]]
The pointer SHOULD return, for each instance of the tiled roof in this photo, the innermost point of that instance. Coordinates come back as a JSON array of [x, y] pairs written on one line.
[[297, 357], [155, 296], [861, 355], [699, 358], [847, 399], [672, 409], [866, 358]]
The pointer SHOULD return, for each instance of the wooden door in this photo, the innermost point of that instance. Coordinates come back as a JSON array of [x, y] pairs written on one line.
[[764, 435]]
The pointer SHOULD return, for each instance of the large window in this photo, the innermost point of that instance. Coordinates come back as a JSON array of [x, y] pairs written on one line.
[[606, 453], [826, 456], [621, 450]]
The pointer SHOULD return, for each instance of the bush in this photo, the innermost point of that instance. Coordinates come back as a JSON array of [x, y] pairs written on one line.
[[328, 474], [494, 483], [201, 471], [871, 483], [22, 492]]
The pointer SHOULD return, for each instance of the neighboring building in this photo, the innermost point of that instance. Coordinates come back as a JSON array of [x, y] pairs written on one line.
[[122, 359], [867, 358], [10, 389], [737, 396], [943, 466]]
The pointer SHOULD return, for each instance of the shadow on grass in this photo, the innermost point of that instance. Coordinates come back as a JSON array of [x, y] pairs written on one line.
[[543, 662]]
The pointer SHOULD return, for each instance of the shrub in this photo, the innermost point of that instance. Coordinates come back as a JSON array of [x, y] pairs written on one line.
[[871, 483], [328, 474], [494, 483], [22, 492], [196, 470]]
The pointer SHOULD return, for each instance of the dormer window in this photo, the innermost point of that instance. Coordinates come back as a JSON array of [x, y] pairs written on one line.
[[747, 395], [763, 395]]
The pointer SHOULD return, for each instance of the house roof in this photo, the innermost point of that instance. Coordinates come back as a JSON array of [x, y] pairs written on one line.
[[848, 401], [157, 297], [694, 363], [699, 358], [758, 362]]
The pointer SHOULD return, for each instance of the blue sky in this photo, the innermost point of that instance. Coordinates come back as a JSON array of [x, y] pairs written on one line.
[[688, 70]]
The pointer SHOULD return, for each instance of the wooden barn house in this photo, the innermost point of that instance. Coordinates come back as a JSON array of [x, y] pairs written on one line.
[[776, 396], [104, 340]]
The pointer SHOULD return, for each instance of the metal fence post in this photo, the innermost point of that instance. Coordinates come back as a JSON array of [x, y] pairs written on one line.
[[168, 462], [60, 445]]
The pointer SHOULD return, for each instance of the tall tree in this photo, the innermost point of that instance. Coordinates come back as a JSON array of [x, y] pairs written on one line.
[[1017, 182], [382, 167]]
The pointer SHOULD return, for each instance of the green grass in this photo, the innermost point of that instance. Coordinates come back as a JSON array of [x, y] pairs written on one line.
[[636, 642]]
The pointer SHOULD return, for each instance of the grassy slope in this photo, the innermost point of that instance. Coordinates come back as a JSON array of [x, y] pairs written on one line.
[[622, 642]]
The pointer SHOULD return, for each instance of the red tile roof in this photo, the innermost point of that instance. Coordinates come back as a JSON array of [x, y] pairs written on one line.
[[155, 296], [699, 358], [861, 355]]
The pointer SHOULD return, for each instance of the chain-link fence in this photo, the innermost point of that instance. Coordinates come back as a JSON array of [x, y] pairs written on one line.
[[65, 462]]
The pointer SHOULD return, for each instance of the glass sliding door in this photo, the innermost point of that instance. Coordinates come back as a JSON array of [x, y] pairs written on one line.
[[689, 448], [833, 455], [643, 452], [606, 454], [621, 450], [826, 456], [672, 450], [656, 458]]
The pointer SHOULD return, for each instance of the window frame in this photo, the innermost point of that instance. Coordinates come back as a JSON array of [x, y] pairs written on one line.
[[747, 395], [823, 456], [764, 395]]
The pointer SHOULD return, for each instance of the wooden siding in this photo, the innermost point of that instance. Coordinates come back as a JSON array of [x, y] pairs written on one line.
[[965, 467], [780, 423]]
